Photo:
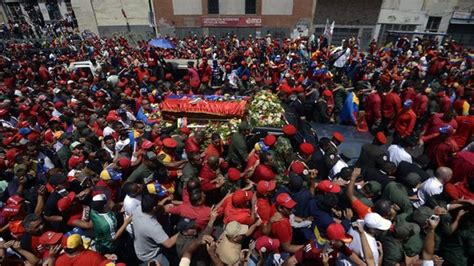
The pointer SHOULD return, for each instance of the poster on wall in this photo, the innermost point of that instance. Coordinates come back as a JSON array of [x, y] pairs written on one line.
[[231, 22]]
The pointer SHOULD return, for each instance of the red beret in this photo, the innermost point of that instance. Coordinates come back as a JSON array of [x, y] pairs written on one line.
[[124, 163], [299, 89], [152, 79], [298, 168], [243, 62], [168, 76], [258, 79], [233, 174], [286, 89], [328, 186], [99, 94], [227, 66], [245, 77], [269, 140], [327, 93], [170, 143], [380, 136], [122, 82], [338, 136], [289, 130], [24, 107], [306, 148]]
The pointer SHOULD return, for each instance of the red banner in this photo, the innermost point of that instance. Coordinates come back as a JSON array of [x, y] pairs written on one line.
[[231, 22]]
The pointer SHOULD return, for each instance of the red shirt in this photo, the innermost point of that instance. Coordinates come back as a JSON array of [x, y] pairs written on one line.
[[459, 191], [441, 150], [191, 145], [391, 105], [264, 209], [207, 175], [199, 213], [373, 109], [405, 122], [445, 104], [420, 104], [86, 257], [282, 230], [462, 165], [465, 130], [409, 94], [232, 213], [432, 128]]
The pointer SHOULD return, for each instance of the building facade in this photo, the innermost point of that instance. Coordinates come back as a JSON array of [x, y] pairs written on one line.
[[281, 18]]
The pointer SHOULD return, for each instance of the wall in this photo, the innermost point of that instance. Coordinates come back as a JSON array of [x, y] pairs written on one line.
[[442, 8], [85, 15], [347, 12]]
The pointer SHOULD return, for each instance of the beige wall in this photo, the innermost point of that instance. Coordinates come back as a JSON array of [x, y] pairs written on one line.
[[187, 7], [278, 7], [85, 15]]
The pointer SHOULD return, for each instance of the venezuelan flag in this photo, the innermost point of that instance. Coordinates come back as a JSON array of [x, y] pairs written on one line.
[[350, 109], [318, 240]]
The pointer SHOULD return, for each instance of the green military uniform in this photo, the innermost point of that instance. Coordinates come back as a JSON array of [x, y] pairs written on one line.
[[458, 248], [238, 149], [339, 95], [398, 194], [282, 158], [139, 174], [64, 153]]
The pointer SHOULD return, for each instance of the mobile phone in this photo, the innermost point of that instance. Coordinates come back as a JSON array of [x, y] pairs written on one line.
[[434, 218]]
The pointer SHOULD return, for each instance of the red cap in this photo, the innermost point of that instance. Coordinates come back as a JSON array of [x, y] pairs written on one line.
[[285, 89], [66, 202], [289, 130], [336, 231], [205, 79], [15, 200], [170, 143], [58, 105], [285, 200], [264, 186], [306, 148], [227, 66], [168, 76], [50, 238], [24, 107], [338, 136], [264, 172], [124, 163], [269, 140], [380, 136], [240, 197], [112, 117], [147, 144], [11, 154], [100, 94], [245, 77], [298, 168], [266, 244], [152, 79], [3, 112], [299, 89], [328, 186], [243, 62], [233, 174], [75, 161], [327, 93], [122, 82], [10, 210]]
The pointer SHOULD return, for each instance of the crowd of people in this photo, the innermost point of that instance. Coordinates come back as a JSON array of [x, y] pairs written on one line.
[[92, 174]]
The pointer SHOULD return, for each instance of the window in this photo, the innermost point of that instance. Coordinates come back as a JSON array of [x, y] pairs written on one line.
[[213, 6], [433, 24], [250, 7], [386, 36]]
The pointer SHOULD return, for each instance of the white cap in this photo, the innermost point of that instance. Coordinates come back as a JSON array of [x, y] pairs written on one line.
[[375, 221]]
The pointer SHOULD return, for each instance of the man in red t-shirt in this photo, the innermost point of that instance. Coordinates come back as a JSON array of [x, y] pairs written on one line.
[[406, 120], [265, 209], [280, 226], [236, 207], [75, 254]]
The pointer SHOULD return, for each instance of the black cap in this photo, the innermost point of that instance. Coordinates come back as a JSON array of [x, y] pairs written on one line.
[[185, 224]]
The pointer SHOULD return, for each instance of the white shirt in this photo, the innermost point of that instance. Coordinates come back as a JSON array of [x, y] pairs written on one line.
[[342, 60], [130, 204], [397, 154], [337, 168], [356, 244], [108, 131], [432, 186]]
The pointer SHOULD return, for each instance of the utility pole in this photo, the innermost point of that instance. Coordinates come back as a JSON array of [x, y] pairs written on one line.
[[151, 18]]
